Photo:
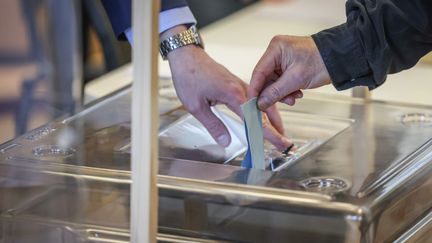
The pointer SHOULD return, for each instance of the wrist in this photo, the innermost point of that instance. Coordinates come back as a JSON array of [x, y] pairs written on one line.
[[189, 51], [322, 74]]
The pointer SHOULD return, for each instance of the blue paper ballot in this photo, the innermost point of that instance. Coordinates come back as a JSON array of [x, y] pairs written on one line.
[[254, 157], [247, 160]]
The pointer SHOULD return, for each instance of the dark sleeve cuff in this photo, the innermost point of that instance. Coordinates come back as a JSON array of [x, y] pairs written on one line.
[[119, 12], [344, 58], [170, 4]]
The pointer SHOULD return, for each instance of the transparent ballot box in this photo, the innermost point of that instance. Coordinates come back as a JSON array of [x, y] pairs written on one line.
[[362, 173]]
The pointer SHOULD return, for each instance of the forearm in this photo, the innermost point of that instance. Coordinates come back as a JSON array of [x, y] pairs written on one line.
[[380, 37]]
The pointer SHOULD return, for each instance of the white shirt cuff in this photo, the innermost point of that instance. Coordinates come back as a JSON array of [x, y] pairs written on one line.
[[129, 35], [169, 19], [175, 16]]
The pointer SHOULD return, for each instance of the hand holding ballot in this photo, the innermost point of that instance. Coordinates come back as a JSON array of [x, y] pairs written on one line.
[[289, 65]]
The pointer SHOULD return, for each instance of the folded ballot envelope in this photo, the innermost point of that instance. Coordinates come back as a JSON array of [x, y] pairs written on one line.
[[254, 157]]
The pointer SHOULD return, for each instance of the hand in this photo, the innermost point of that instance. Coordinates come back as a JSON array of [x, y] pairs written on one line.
[[201, 82], [289, 65]]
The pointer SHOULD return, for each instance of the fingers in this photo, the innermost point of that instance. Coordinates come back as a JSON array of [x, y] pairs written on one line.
[[291, 98], [286, 84], [271, 83], [233, 98], [297, 94], [212, 123], [263, 71], [297, 62], [274, 136], [275, 119]]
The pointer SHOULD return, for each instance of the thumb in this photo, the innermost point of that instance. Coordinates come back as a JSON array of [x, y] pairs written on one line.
[[213, 124], [288, 83]]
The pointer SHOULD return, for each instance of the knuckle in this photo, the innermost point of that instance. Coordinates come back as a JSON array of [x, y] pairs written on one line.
[[258, 72], [274, 92], [297, 77], [276, 39], [237, 93]]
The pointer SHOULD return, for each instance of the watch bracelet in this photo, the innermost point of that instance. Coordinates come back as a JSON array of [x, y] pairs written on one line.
[[187, 37]]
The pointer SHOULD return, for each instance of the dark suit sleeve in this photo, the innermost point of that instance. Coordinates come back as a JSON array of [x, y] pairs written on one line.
[[380, 37], [120, 13]]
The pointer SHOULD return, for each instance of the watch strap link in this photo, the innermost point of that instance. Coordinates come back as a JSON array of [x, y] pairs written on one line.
[[188, 37]]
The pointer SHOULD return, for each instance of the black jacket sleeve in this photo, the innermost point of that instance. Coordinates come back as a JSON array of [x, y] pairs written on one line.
[[120, 13], [380, 37]]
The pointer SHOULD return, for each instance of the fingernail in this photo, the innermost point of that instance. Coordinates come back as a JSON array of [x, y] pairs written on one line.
[[262, 103], [223, 140]]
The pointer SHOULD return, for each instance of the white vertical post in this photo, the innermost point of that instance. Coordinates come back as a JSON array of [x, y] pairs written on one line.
[[361, 92], [145, 114]]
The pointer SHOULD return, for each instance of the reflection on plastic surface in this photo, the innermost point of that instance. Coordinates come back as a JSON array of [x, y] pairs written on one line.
[[53, 151], [188, 139], [325, 185], [39, 133], [8, 147], [278, 160], [417, 119]]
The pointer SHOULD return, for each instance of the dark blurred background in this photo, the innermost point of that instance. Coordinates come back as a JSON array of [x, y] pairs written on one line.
[[30, 53]]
